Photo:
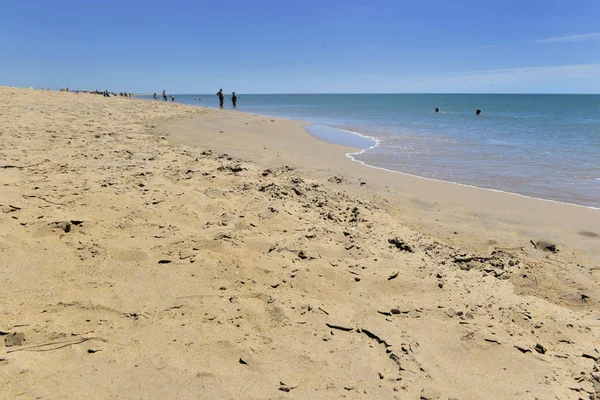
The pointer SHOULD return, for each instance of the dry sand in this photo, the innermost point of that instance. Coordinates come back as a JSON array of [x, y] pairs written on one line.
[[139, 261]]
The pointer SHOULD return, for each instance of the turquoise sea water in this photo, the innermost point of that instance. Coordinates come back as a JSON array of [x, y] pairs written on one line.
[[542, 146]]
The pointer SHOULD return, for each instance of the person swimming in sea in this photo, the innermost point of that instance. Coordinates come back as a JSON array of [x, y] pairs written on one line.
[[478, 112], [437, 109], [234, 99], [221, 97]]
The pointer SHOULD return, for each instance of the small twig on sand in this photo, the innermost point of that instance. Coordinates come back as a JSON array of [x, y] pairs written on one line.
[[509, 248], [323, 311], [41, 198], [340, 327], [21, 167], [59, 345]]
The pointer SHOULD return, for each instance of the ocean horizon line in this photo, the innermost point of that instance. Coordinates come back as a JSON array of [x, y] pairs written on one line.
[[145, 93], [392, 93]]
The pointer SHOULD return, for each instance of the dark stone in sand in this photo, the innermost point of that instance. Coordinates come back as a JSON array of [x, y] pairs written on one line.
[[401, 245], [64, 225], [545, 246], [232, 168], [397, 360], [286, 388], [590, 356], [14, 339], [164, 261], [540, 349]]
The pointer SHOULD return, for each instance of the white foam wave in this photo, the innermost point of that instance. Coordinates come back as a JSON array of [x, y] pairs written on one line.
[[352, 156]]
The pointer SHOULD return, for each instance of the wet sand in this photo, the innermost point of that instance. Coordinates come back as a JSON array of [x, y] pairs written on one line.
[[154, 250]]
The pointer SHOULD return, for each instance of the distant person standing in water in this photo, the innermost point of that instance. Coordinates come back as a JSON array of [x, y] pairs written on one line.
[[234, 99], [164, 95], [221, 97], [154, 96], [478, 112], [437, 109]]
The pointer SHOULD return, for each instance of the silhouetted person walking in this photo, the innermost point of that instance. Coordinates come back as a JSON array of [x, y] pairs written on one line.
[[221, 97], [234, 99]]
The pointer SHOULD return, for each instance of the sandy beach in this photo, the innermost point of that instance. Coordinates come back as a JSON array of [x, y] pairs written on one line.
[[155, 250]]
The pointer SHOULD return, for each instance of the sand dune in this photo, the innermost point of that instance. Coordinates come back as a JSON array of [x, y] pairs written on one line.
[[134, 266]]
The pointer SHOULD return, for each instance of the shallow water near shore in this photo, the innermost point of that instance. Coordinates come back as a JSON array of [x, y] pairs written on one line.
[[341, 136], [542, 146]]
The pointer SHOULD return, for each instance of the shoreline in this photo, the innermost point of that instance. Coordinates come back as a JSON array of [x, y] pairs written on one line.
[[350, 155], [258, 253], [353, 131], [377, 142]]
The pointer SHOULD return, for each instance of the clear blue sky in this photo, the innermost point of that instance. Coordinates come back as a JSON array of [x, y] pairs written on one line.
[[300, 46]]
